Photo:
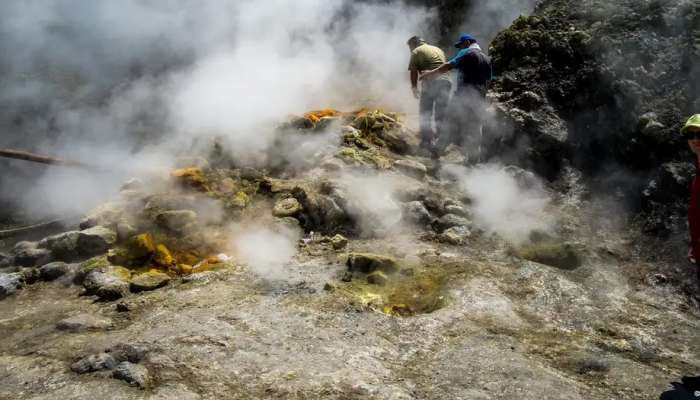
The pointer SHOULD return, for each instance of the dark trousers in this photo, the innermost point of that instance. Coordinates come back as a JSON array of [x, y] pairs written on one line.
[[434, 99], [466, 117]]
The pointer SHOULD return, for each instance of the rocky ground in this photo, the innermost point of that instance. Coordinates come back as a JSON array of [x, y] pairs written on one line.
[[185, 287]]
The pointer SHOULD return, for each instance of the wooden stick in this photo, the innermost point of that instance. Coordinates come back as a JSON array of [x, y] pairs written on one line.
[[23, 155], [26, 229]]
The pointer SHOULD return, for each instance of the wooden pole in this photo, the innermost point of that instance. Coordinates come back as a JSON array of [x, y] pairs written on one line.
[[23, 155]]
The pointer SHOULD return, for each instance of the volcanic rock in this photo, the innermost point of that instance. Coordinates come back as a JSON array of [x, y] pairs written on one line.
[[457, 210], [29, 276], [83, 322], [163, 256], [140, 247], [415, 212], [448, 221], [28, 254], [63, 246], [456, 235], [5, 260], [94, 362], [411, 168], [133, 374], [177, 220], [339, 242], [368, 263], [286, 207], [148, 281], [127, 352], [9, 284], [125, 230], [53, 271], [95, 240], [108, 285], [107, 214]]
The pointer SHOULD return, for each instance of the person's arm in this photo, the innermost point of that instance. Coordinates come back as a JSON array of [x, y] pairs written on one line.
[[414, 83], [439, 70], [414, 79]]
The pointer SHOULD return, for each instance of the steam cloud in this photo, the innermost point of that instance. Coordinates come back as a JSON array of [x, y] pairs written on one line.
[[502, 204], [127, 85], [485, 19], [265, 251]]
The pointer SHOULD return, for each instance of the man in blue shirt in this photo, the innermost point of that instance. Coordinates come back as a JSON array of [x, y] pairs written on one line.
[[468, 103]]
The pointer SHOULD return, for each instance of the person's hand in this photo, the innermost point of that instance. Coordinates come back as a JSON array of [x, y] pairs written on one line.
[[416, 92], [691, 259]]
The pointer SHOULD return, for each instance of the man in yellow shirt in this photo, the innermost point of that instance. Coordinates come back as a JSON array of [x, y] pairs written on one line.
[[434, 94]]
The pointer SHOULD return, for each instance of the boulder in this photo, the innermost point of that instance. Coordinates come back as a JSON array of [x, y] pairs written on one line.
[[95, 240], [415, 213], [99, 263], [29, 275], [148, 281], [107, 214], [72, 245], [339, 242], [448, 221], [5, 260], [94, 362], [368, 263], [53, 271], [133, 374], [457, 210], [29, 254], [432, 200], [287, 207], [163, 256], [83, 322], [139, 247], [456, 235], [109, 284], [177, 220], [411, 168], [127, 352], [9, 284], [125, 230], [63, 246]]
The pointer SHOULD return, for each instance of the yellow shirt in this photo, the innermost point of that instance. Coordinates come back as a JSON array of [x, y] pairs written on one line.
[[426, 58]]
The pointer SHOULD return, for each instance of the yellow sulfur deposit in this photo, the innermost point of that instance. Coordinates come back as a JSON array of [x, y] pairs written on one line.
[[163, 257], [191, 176], [315, 116], [140, 246], [240, 200]]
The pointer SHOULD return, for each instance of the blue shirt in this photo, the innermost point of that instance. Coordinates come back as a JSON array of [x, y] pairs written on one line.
[[474, 68]]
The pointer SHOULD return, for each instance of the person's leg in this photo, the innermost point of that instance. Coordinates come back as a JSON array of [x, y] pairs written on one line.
[[473, 135], [442, 98], [452, 123], [425, 109]]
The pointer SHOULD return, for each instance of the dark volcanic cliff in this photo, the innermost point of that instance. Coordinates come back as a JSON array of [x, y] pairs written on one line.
[[604, 87]]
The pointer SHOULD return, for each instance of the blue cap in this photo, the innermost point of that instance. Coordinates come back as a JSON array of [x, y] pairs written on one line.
[[464, 38]]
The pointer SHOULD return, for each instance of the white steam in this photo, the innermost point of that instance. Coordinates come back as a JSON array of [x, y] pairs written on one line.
[[504, 203], [109, 83], [266, 252]]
